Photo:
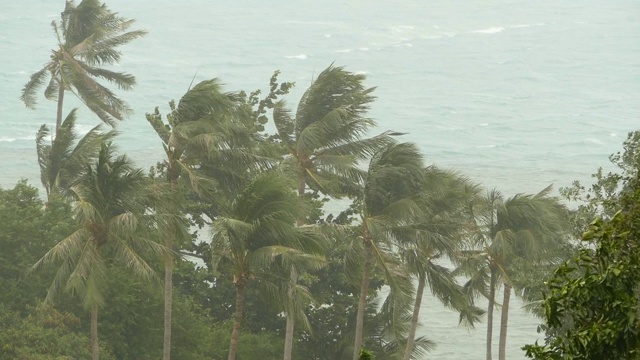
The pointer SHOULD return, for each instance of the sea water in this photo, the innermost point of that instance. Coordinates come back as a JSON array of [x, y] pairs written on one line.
[[515, 94]]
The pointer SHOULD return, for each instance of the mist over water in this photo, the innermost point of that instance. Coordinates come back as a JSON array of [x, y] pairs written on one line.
[[515, 94]]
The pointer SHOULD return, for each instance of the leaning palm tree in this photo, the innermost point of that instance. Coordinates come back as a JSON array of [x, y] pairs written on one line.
[[525, 227], [388, 202], [326, 140], [88, 37], [202, 132], [256, 234], [436, 236], [63, 161], [110, 208]]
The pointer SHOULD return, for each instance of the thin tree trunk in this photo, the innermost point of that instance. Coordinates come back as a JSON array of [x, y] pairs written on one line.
[[288, 343], [95, 347], [362, 301], [414, 319], [492, 295], [235, 334], [289, 331], [60, 102], [168, 306], [504, 319]]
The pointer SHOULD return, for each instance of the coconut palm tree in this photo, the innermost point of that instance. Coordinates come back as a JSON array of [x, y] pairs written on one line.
[[64, 161], [326, 140], [388, 202], [526, 227], [88, 37], [208, 141], [110, 207], [436, 236], [256, 234]]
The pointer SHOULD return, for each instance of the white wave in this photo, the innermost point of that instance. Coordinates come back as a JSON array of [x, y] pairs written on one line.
[[427, 37], [485, 146], [402, 28], [327, 35], [594, 141], [345, 51], [484, 124], [526, 25], [8, 139], [361, 72], [363, 49], [613, 134], [492, 30], [404, 45], [16, 73], [301, 56]]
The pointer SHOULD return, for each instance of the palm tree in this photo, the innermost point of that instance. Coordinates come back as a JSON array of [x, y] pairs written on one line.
[[388, 202], [110, 210], [88, 37], [436, 236], [257, 233], [64, 161], [325, 140], [526, 227], [203, 126]]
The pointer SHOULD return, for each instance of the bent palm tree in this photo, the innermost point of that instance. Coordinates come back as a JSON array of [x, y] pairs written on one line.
[[526, 227], [63, 163], [388, 202], [259, 231], [325, 140], [88, 37], [109, 207], [436, 236]]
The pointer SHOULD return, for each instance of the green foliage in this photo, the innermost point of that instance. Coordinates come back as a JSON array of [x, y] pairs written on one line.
[[602, 198], [591, 310]]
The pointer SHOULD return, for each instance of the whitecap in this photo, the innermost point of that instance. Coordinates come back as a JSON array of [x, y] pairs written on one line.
[[484, 124], [485, 146], [404, 45], [361, 72], [327, 35], [526, 25], [492, 30], [613, 134], [363, 49], [345, 51], [301, 56], [16, 73], [594, 141], [7, 139]]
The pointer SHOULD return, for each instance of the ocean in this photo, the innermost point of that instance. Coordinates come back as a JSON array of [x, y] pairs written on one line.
[[515, 94]]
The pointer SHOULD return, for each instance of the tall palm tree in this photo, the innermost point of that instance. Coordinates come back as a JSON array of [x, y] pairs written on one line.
[[526, 227], [326, 140], [436, 236], [257, 232], [388, 202], [64, 161], [88, 37], [207, 142], [110, 208]]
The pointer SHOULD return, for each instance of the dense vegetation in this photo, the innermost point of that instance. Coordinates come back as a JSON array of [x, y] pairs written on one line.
[[225, 249]]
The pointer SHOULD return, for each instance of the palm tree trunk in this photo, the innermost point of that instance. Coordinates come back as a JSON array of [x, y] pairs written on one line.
[[95, 347], [60, 102], [362, 301], [492, 295], [288, 340], [168, 306], [288, 336], [504, 319], [235, 334], [414, 319]]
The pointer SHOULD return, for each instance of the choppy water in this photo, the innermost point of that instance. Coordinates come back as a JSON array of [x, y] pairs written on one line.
[[517, 94]]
